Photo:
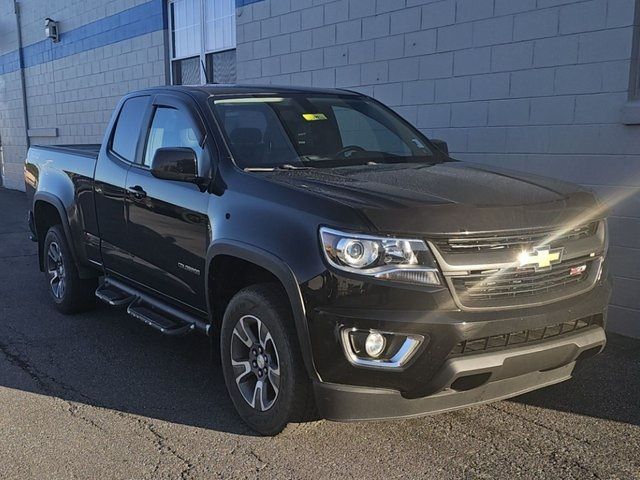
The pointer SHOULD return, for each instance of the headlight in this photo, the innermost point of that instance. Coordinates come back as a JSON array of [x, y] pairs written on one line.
[[386, 258]]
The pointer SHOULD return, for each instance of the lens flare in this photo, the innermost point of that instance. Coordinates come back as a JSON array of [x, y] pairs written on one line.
[[604, 206]]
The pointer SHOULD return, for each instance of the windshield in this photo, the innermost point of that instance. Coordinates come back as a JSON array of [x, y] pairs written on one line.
[[297, 131]]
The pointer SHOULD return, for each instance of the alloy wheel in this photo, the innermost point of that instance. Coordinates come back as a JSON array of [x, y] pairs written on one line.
[[55, 270], [255, 362]]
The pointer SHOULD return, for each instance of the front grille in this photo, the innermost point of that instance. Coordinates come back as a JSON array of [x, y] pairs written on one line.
[[506, 241], [521, 286], [522, 337]]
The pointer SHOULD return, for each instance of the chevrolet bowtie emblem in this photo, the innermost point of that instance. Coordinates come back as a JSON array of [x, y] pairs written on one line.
[[540, 258]]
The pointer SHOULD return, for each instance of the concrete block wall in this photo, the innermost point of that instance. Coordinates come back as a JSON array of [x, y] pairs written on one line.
[[77, 94], [106, 49], [13, 136], [11, 118], [534, 85]]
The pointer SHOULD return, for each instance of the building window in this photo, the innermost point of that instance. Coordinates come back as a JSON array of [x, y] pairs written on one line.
[[203, 41], [222, 66]]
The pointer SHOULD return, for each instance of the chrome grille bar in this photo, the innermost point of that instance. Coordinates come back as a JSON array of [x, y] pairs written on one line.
[[479, 243]]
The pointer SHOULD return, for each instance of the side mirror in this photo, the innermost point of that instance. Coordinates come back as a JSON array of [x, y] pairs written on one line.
[[175, 163], [441, 145]]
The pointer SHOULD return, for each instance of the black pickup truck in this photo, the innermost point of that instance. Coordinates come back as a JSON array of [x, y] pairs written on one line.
[[342, 263]]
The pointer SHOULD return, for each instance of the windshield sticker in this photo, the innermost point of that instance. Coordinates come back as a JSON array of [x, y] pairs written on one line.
[[314, 117]]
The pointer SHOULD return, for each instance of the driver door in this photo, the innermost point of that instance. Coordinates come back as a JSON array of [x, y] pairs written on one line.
[[168, 221]]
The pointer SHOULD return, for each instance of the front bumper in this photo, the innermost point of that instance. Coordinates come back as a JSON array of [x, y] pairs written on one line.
[[442, 329], [504, 374], [441, 377]]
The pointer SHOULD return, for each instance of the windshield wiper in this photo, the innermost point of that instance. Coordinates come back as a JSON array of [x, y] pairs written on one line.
[[286, 166]]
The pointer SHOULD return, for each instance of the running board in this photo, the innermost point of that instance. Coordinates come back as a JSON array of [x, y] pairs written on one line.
[[159, 320], [113, 296], [159, 315]]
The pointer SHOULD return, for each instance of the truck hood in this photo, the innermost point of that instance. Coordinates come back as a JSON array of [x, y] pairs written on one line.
[[445, 198]]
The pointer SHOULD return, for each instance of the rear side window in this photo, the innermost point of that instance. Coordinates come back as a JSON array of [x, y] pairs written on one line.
[[128, 127]]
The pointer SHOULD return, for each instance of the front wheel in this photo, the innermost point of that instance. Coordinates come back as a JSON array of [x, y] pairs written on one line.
[[70, 293], [261, 361]]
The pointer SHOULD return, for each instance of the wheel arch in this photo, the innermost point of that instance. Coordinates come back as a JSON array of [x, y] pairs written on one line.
[[44, 206], [280, 271], [48, 211]]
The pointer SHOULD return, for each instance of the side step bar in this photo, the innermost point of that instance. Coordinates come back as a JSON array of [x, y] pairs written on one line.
[[113, 296], [157, 320], [159, 315]]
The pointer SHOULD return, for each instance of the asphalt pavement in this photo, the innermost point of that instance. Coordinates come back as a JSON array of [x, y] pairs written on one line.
[[101, 396]]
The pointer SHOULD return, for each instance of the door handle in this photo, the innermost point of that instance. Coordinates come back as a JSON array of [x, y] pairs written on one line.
[[137, 192]]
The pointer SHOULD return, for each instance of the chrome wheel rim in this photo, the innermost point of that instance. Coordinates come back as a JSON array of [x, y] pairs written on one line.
[[255, 361], [55, 270]]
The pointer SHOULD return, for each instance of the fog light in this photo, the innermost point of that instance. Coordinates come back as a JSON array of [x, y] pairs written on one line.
[[374, 345], [374, 349]]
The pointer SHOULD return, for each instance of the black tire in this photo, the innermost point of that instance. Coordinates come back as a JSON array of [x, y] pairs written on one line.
[[75, 294], [293, 401]]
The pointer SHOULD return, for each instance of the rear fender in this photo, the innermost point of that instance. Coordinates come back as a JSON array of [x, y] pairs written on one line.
[[51, 199]]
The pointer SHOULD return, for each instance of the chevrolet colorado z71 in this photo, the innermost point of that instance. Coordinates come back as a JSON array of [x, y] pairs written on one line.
[[342, 263]]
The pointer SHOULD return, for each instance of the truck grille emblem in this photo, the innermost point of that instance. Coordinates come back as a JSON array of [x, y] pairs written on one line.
[[540, 258]]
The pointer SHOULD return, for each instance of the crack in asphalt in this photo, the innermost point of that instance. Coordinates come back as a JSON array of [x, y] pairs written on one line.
[[557, 458], [555, 455], [496, 448], [530, 421], [23, 365], [259, 459], [163, 447], [41, 379]]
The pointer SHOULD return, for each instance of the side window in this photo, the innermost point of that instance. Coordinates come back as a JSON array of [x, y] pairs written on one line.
[[170, 128], [128, 127], [360, 130]]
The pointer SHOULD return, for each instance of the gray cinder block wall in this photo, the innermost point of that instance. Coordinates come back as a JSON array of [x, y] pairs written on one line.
[[107, 48], [535, 85]]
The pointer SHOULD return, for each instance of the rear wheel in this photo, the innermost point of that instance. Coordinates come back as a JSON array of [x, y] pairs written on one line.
[[70, 293], [261, 361]]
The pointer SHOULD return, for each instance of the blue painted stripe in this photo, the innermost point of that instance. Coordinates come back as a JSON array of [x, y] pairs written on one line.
[[9, 62], [242, 3], [140, 20]]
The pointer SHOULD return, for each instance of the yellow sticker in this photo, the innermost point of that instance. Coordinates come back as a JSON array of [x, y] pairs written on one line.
[[314, 117]]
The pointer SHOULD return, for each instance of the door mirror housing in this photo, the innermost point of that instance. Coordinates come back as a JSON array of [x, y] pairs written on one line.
[[440, 145], [175, 163]]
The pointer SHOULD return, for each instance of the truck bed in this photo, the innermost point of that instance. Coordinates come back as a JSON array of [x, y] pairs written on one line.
[[90, 150], [47, 165]]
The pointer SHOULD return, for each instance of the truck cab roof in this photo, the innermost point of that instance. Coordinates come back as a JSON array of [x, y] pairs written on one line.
[[232, 89]]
